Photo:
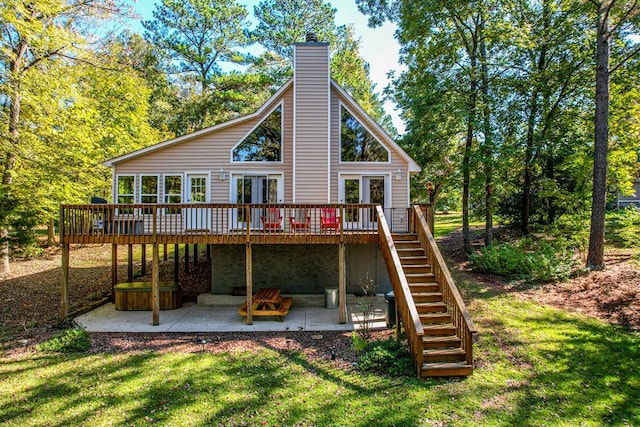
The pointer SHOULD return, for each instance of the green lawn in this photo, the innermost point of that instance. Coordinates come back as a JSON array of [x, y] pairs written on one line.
[[535, 366], [446, 223]]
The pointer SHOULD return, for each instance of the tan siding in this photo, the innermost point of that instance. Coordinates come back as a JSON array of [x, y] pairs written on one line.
[[312, 94], [212, 152], [398, 188]]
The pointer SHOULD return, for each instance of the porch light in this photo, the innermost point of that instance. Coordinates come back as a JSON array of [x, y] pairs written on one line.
[[398, 175], [223, 175]]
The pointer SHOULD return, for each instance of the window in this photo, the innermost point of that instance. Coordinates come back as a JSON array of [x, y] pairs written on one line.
[[148, 189], [125, 191], [173, 191], [264, 144], [357, 144]]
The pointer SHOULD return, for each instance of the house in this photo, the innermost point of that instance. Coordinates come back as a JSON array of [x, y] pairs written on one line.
[[306, 193], [630, 200]]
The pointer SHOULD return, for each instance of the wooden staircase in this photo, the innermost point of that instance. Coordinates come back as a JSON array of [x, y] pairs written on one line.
[[442, 349]]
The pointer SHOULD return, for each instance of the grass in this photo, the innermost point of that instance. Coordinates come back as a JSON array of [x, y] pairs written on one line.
[[445, 223], [535, 366]]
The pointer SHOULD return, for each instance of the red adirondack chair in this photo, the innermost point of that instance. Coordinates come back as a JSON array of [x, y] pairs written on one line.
[[272, 220], [329, 219]]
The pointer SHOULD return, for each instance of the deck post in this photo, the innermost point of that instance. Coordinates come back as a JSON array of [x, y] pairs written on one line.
[[143, 260], [114, 270], [195, 254], [64, 294], [155, 273], [155, 291], [342, 285], [209, 251], [186, 258], [249, 279], [165, 256], [176, 262], [210, 268], [130, 264]]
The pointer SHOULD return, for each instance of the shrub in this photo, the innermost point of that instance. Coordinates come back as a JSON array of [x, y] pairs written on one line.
[[389, 356], [628, 227], [68, 341], [526, 259]]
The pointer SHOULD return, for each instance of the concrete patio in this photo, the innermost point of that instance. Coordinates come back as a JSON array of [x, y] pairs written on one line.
[[219, 313]]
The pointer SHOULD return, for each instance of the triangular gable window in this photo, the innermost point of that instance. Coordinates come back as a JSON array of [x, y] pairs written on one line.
[[264, 144], [357, 144]]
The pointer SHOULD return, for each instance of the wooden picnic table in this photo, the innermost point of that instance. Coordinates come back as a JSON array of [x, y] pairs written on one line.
[[268, 302]]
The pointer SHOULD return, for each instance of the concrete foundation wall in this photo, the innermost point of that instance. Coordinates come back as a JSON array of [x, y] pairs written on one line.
[[297, 269]]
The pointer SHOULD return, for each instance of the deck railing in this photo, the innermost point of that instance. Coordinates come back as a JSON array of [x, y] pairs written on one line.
[[223, 223], [450, 294], [404, 301]]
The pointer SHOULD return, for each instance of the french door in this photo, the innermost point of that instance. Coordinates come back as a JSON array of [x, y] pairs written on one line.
[[367, 189], [197, 191], [254, 189]]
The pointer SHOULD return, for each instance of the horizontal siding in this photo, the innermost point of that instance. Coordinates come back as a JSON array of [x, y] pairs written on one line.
[[212, 152], [399, 196], [312, 117]]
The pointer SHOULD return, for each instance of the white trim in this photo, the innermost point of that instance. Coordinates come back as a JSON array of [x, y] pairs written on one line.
[[177, 140], [413, 166], [182, 189], [255, 126], [113, 185], [340, 161], [186, 184], [295, 125], [328, 125], [116, 192], [158, 182]]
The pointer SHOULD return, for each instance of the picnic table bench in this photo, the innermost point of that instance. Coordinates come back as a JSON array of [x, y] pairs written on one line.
[[268, 302]]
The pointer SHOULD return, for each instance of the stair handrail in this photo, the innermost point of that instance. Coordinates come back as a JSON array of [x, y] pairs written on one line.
[[402, 293], [455, 304]]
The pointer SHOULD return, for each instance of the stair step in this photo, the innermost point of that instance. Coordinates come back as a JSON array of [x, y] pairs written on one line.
[[412, 260], [441, 342], [397, 237], [442, 329], [446, 370], [424, 287], [420, 297], [420, 277], [407, 252], [444, 355], [435, 318], [431, 307], [417, 269]]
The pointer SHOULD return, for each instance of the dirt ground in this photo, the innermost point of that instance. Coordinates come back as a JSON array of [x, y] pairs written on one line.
[[30, 309]]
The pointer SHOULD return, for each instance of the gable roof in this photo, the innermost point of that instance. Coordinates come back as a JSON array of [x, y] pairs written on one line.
[[205, 131], [369, 123]]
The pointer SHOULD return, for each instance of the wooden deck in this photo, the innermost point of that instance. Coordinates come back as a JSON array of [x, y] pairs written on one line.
[[223, 223]]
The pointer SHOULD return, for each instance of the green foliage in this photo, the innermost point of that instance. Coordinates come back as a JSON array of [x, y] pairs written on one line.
[[626, 227], [68, 341], [536, 261], [389, 356]]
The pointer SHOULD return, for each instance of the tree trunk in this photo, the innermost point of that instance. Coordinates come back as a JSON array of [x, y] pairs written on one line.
[[487, 146], [595, 256], [525, 208], [14, 137], [51, 232]]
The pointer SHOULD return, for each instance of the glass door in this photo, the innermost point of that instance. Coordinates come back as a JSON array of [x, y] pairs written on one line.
[[254, 189], [373, 193], [197, 192], [365, 189]]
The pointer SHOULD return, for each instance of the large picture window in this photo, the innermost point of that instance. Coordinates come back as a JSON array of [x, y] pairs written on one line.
[[173, 191], [356, 143], [264, 144]]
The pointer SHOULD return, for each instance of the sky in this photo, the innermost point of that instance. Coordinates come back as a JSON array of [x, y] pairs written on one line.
[[377, 46]]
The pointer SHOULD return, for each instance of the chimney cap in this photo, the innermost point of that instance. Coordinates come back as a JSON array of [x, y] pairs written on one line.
[[311, 37]]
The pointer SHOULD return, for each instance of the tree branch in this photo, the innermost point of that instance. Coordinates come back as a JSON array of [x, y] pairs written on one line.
[[624, 60]]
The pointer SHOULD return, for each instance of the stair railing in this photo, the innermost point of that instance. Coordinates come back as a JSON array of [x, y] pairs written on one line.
[[405, 306], [450, 294]]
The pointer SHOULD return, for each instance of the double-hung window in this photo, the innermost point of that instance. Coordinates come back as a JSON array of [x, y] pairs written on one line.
[[172, 191], [149, 190], [125, 191]]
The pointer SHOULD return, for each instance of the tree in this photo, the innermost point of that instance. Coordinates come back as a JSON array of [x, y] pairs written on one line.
[[281, 23], [34, 34], [614, 18]]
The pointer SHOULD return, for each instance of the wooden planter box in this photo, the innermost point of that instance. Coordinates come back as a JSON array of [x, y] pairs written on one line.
[[137, 296]]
